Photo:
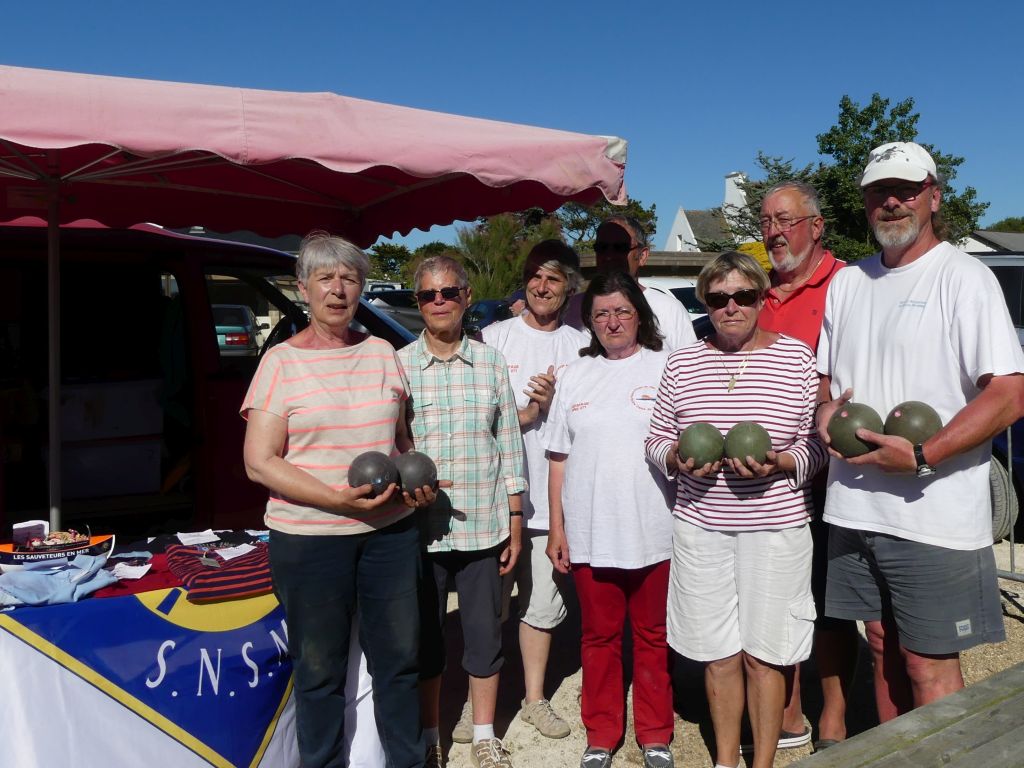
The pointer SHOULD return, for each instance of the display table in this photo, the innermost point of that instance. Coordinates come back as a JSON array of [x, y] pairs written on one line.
[[146, 680]]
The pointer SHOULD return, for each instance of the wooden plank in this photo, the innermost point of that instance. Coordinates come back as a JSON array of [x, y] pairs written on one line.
[[978, 727]]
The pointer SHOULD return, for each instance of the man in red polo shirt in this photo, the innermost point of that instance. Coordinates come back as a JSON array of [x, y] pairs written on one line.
[[792, 228]]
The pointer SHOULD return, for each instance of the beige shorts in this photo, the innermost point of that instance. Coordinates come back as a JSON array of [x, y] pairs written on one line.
[[748, 591], [541, 588]]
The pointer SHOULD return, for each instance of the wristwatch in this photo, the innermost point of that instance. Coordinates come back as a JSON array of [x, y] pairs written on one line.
[[924, 469]]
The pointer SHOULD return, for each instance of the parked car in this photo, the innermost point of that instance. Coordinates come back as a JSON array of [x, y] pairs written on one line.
[[151, 439], [1008, 447], [238, 333], [399, 304], [482, 313], [684, 289]]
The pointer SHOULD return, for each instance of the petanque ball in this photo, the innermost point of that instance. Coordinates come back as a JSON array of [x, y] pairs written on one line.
[[748, 438], [375, 468], [913, 420], [843, 426], [701, 442], [415, 470]]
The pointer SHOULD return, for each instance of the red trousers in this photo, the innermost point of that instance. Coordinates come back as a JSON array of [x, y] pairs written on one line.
[[606, 595]]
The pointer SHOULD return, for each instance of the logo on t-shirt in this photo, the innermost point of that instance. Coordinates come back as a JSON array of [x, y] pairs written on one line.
[[582, 405], [912, 304], [643, 397], [513, 368]]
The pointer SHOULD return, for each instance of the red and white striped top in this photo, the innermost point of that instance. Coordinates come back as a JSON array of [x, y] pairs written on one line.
[[338, 403], [776, 388]]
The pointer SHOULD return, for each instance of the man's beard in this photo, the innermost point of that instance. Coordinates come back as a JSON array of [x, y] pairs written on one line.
[[896, 233], [788, 263]]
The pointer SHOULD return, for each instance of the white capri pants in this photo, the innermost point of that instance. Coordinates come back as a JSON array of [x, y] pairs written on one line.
[[733, 591]]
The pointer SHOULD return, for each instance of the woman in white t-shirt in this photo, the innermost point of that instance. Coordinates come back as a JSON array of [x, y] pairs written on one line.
[[610, 521], [537, 346]]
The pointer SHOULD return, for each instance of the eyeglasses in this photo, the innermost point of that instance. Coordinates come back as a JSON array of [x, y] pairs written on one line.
[[746, 298], [622, 314], [905, 193], [602, 247], [783, 223], [427, 296]]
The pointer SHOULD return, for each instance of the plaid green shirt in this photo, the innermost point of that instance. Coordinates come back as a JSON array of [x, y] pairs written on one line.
[[463, 415]]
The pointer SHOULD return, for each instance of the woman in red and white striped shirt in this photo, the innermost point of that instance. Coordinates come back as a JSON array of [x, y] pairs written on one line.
[[739, 590]]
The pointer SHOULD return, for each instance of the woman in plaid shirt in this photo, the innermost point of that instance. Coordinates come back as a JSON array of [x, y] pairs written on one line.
[[462, 413]]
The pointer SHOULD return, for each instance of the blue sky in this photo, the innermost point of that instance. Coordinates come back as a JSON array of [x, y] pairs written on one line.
[[696, 88]]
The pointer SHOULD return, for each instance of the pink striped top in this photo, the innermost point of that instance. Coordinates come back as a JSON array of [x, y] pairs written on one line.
[[777, 389], [338, 403]]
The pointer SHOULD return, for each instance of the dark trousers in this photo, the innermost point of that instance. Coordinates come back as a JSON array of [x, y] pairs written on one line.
[[322, 581], [479, 588]]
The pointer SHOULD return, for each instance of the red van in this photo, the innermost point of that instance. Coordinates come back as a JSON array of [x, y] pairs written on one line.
[[151, 440]]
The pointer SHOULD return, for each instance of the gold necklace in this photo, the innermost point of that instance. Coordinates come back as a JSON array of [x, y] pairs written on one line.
[[733, 377]]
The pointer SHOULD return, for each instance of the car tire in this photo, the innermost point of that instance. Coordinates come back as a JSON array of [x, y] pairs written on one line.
[[1005, 506]]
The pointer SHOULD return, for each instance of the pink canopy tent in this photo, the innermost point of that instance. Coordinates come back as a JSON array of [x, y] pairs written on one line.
[[124, 151]]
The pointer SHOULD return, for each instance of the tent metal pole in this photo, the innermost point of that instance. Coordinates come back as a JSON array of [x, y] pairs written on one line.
[[53, 271]]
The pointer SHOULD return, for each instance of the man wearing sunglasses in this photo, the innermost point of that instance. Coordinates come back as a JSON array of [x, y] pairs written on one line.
[[621, 246], [792, 228], [462, 413], [910, 549]]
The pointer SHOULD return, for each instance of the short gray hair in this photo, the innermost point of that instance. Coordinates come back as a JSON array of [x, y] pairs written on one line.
[[732, 261], [322, 250], [802, 188], [438, 264]]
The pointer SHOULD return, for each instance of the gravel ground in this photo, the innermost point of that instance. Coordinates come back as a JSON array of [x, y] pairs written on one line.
[[693, 735]]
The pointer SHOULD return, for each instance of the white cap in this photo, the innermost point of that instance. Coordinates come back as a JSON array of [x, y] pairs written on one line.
[[898, 160]]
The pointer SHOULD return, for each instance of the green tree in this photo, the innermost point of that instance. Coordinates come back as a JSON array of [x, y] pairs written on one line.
[[743, 221], [857, 131], [493, 251], [580, 222], [388, 261], [1009, 224], [433, 248]]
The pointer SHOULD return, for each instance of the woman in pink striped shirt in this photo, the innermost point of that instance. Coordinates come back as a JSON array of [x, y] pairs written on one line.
[[337, 553], [739, 590]]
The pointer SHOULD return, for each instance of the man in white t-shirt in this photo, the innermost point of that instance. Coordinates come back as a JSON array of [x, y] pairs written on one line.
[[621, 245], [910, 549]]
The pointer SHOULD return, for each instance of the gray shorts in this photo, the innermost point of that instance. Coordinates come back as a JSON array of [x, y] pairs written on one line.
[[942, 600]]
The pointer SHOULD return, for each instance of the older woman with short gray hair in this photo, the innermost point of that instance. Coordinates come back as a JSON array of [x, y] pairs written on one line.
[[316, 402]]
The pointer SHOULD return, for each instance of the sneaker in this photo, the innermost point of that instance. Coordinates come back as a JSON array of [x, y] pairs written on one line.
[[658, 756], [435, 756], [541, 716], [462, 733], [787, 740], [490, 753], [595, 757]]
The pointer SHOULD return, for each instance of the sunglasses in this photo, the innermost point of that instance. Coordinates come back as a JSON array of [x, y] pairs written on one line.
[[601, 247], [427, 296], [746, 298], [905, 193]]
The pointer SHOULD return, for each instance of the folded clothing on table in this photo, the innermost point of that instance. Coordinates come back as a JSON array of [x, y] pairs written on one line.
[[245, 576]]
